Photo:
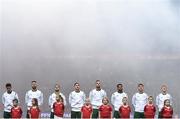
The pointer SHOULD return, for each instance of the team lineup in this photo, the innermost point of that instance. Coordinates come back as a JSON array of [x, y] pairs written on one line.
[[95, 105]]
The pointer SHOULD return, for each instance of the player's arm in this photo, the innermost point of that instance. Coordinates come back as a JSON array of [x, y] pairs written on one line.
[[112, 99], [16, 97], [41, 98], [157, 100], [64, 99], [70, 98], [90, 96], [171, 101], [3, 99], [105, 94], [50, 101], [134, 100], [26, 98], [84, 97]]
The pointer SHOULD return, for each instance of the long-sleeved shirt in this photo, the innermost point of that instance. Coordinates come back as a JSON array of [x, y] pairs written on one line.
[[33, 94], [76, 100], [7, 100], [96, 98], [139, 100], [161, 98], [116, 99], [52, 100]]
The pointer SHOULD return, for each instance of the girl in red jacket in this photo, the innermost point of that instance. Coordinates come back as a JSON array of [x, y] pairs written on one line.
[[167, 110], [58, 107], [34, 111]]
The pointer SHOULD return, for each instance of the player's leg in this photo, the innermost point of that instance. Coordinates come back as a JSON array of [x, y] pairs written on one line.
[[116, 114], [95, 113]]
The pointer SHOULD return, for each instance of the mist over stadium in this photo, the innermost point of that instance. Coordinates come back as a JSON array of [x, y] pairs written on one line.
[[68, 41]]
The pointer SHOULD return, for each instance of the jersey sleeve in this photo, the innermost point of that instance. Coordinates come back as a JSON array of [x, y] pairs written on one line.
[[157, 100], [100, 108], [26, 98], [70, 98], [129, 109], [91, 95], [134, 100], [50, 101], [110, 108], [112, 98], [41, 98], [120, 109], [3, 99]]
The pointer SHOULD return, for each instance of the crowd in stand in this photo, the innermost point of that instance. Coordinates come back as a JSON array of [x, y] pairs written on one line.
[[95, 105]]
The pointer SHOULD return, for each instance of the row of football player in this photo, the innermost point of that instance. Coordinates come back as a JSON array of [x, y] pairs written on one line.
[[77, 99], [104, 111]]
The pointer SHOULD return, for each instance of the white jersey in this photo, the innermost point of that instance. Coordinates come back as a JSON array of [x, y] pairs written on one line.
[[161, 98], [96, 98], [52, 100], [139, 101], [76, 100], [116, 100], [33, 94], [7, 100]]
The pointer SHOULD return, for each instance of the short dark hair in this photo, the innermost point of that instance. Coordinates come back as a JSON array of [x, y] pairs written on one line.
[[140, 84], [76, 83], [8, 85], [119, 84], [97, 80], [34, 81]]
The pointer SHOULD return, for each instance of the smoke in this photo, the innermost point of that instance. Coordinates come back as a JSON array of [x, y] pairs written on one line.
[[128, 41]]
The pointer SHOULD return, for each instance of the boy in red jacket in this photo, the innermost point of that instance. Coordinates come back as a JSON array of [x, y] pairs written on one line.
[[58, 107], [105, 110], [167, 110], [149, 109], [16, 111], [125, 109], [86, 110]]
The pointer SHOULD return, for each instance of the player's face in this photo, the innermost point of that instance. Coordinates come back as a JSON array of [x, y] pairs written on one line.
[[34, 85], [105, 101], [9, 89], [141, 88], [98, 84], [120, 88], [77, 87], [164, 89], [57, 88]]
